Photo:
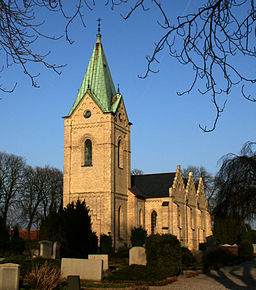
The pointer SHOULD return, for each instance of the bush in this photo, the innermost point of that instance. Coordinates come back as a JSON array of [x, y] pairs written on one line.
[[227, 229], [164, 254], [249, 236], [43, 277], [122, 252], [218, 258], [187, 257], [27, 265], [138, 237], [245, 249], [106, 244], [202, 246]]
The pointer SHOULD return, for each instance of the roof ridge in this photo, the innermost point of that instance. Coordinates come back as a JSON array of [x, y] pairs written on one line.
[[161, 173]]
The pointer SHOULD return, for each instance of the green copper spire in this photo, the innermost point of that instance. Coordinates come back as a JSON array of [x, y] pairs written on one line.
[[98, 82]]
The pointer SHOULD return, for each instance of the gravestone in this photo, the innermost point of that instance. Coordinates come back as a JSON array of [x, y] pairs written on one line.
[[73, 283], [104, 258], [35, 253], [9, 276], [56, 250], [233, 249], [254, 249], [45, 249], [87, 269], [137, 256]]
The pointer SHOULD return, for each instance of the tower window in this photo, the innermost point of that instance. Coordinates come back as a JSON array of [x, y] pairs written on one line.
[[120, 154], [88, 153], [153, 222]]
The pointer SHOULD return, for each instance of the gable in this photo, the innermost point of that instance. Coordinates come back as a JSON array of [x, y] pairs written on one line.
[[87, 104], [121, 114]]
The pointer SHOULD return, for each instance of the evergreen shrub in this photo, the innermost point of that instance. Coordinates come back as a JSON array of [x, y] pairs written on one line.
[[249, 236], [106, 244], [138, 236], [245, 249], [122, 252], [218, 258], [202, 246], [227, 229], [164, 254], [4, 238], [71, 227], [187, 257]]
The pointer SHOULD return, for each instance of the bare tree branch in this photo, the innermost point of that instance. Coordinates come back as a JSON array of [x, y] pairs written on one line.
[[208, 40]]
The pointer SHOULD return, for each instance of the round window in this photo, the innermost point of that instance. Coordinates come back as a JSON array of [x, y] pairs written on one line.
[[87, 114]]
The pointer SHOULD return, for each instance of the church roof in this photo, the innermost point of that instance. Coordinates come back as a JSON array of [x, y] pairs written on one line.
[[98, 82], [152, 185]]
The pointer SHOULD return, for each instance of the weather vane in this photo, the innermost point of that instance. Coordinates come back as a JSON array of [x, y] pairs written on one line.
[[99, 20]]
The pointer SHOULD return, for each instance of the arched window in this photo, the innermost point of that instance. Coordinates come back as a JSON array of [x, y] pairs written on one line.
[[153, 222], [120, 154], [119, 222], [192, 219], [140, 218], [88, 153]]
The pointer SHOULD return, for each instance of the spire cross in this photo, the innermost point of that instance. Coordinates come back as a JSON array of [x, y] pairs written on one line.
[[99, 20]]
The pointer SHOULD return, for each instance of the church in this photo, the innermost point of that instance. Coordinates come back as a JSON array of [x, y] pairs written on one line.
[[97, 169]]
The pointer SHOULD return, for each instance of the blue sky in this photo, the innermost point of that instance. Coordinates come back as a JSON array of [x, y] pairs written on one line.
[[165, 129]]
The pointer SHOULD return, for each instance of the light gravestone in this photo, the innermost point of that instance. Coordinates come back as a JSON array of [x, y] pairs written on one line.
[[45, 249], [254, 249], [137, 256], [87, 269], [56, 250], [9, 276], [104, 258], [35, 253]]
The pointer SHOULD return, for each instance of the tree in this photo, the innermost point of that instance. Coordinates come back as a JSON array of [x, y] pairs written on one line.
[[11, 175], [72, 228], [200, 171], [52, 196], [34, 188], [41, 194], [136, 171], [236, 184], [209, 40]]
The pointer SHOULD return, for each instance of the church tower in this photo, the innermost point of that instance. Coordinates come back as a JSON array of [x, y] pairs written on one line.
[[97, 150]]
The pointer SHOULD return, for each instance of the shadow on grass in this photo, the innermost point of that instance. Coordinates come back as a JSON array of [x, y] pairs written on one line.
[[237, 277]]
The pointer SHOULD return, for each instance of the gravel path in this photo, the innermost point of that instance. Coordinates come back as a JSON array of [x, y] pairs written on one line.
[[239, 277]]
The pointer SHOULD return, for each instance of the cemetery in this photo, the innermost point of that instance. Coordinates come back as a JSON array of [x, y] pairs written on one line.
[[156, 260]]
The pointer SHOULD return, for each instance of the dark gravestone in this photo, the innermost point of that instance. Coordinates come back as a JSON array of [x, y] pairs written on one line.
[[73, 283]]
